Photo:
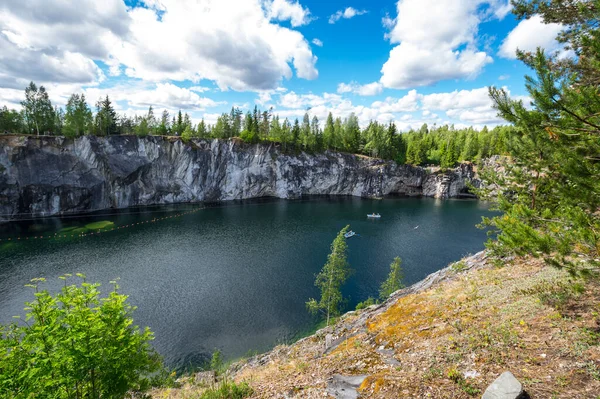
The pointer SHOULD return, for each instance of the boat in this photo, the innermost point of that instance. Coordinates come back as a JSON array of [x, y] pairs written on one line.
[[349, 234], [374, 215]]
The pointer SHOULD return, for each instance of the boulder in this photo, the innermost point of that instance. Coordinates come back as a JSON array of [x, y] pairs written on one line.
[[505, 387], [344, 387]]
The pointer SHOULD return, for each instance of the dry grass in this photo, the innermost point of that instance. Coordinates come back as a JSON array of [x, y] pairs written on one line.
[[453, 340]]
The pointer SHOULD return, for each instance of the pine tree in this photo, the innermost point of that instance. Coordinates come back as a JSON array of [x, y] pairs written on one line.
[[164, 125], [550, 189], [201, 130], [331, 278], [296, 133], [394, 281], [329, 133], [106, 118]]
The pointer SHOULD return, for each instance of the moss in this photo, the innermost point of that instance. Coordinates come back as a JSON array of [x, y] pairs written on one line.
[[104, 224]]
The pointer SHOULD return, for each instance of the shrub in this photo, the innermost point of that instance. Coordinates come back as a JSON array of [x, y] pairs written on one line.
[[75, 344], [365, 304]]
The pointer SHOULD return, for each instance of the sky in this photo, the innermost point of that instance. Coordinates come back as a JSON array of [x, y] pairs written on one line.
[[410, 61]]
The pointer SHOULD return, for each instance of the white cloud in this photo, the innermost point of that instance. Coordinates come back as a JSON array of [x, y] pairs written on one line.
[[231, 42], [469, 106], [465, 107], [503, 77], [370, 89], [263, 98], [283, 10], [317, 42], [408, 103], [347, 13], [199, 89], [167, 95], [530, 34], [436, 40]]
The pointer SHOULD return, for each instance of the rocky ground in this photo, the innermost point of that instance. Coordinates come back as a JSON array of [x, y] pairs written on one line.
[[449, 336]]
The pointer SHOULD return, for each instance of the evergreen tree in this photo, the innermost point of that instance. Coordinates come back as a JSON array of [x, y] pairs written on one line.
[[296, 133], [275, 130], [286, 134], [106, 118], [201, 130], [164, 125], [265, 124], [550, 188], [394, 281], [331, 278], [329, 133], [351, 138]]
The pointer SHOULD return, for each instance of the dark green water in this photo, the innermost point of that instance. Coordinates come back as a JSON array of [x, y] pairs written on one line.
[[236, 277]]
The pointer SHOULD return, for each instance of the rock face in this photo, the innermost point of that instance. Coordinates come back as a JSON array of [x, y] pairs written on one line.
[[43, 176]]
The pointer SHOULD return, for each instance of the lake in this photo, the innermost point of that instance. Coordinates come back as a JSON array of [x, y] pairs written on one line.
[[236, 276]]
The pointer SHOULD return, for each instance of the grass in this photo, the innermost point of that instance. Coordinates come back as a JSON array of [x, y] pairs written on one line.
[[228, 390]]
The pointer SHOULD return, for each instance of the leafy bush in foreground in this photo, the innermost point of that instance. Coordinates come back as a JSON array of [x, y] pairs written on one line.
[[75, 344]]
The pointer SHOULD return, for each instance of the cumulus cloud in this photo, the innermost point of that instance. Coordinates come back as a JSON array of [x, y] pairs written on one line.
[[408, 103], [469, 106], [370, 89], [530, 34], [167, 95], [347, 13], [234, 43], [283, 10], [52, 41], [436, 40], [317, 42], [464, 107]]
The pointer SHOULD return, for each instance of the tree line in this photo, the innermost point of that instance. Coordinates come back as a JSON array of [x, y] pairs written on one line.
[[438, 145]]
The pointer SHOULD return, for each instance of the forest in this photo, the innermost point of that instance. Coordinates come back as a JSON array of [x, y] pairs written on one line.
[[436, 145]]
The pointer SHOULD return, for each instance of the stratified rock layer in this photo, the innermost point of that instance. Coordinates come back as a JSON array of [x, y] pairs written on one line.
[[43, 176]]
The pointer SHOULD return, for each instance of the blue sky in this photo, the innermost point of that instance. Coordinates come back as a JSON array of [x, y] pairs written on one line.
[[412, 61]]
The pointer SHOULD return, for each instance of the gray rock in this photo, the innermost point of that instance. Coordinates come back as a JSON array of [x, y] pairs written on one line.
[[504, 387], [344, 387], [44, 176], [205, 378]]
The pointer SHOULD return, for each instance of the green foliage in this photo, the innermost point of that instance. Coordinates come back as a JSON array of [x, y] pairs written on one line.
[[331, 278], [106, 118], [187, 134], [394, 281], [37, 110], [550, 188], [365, 304], [216, 362], [459, 266], [78, 118], [75, 344], [228, 390], [456, 376], [11, 121]]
